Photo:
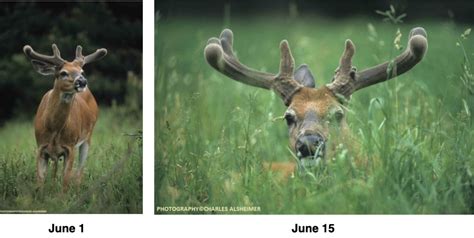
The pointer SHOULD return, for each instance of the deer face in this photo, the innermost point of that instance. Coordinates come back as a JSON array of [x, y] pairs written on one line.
[[313, 112], [69, 76], [310, 117]]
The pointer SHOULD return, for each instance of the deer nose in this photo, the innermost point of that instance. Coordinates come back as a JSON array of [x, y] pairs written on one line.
[[80, 82], [309, 145]]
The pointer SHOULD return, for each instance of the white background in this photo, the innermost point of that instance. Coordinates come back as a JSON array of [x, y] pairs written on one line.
[[150, 225]]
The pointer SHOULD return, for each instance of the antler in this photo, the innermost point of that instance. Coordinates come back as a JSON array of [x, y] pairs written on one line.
[[55, 59], [219, 54], [347, 81], [83, 60]]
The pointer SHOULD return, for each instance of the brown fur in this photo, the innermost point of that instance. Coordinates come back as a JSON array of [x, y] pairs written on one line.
[[284, 169], [320, 100], [60, 126]]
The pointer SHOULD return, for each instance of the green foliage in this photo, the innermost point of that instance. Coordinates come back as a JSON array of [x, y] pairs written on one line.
[[391, 15], [132, 106], [414, 133], [112, 181], [467, 76]]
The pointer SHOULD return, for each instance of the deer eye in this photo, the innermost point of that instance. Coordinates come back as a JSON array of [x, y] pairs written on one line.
[[339, 114], [290, 118], [63, 74]]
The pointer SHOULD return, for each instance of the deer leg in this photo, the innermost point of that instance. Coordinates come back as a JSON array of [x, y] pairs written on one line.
[[55, 169], [41, 168], [67, 172], [83, 151]]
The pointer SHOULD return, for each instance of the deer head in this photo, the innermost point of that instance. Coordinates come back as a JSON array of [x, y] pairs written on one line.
[[69, 77], [313, 111]]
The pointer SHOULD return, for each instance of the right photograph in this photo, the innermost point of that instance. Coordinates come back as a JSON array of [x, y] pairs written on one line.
[[314, 107]]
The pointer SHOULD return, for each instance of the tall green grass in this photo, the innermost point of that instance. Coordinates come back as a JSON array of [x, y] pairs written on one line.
[[112, 180], [213, 134]]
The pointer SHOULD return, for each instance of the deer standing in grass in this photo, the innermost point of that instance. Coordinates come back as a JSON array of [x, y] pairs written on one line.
[[313, 112], [67, 113]]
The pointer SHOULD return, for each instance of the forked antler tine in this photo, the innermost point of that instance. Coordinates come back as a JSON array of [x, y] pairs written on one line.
[[219, 55], [55, 59], [416, 49]]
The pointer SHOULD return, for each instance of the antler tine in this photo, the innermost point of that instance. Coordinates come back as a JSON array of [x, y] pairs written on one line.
[[98, 54], [284, 84], [79, 55], [347, 81], [287, 62], [227, 41], [55, 59], [345, 63], [220, 56], [342, 83]]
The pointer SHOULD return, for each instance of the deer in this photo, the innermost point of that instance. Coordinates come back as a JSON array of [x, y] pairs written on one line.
[[66, 115], [313, 113]]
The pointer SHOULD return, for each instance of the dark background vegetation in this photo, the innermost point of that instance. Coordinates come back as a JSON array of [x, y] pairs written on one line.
[[112, 181], [112, 25], [460, 10]]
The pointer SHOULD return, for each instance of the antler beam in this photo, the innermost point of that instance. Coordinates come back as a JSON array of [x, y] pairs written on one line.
[[347, 81], [55, 59], [220, 55]]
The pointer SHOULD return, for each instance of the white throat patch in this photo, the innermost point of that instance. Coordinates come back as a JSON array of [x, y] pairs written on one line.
[[82, 89]]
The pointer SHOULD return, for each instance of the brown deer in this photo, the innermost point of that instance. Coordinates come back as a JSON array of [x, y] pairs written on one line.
[[313, 112], [67, 113]]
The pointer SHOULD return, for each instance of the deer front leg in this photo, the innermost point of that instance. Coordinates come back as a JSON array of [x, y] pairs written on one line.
[[41, 168], [67, 172], [83, 151], [55, 169]]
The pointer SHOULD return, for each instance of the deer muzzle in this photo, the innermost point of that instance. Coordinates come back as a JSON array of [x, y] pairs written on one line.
[[313, 145], [80, 83]]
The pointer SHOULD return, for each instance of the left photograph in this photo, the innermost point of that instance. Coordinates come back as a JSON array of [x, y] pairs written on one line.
[[71, 108]]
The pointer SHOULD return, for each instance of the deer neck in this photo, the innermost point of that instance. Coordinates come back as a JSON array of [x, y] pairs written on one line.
[[58, 108]]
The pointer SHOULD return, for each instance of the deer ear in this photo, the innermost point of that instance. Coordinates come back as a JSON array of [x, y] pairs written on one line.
[[304, 76], [43, 68]]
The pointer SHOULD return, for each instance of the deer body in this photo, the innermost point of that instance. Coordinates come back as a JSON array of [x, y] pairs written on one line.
[[61, 127], [66, 115], [315, 114]]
